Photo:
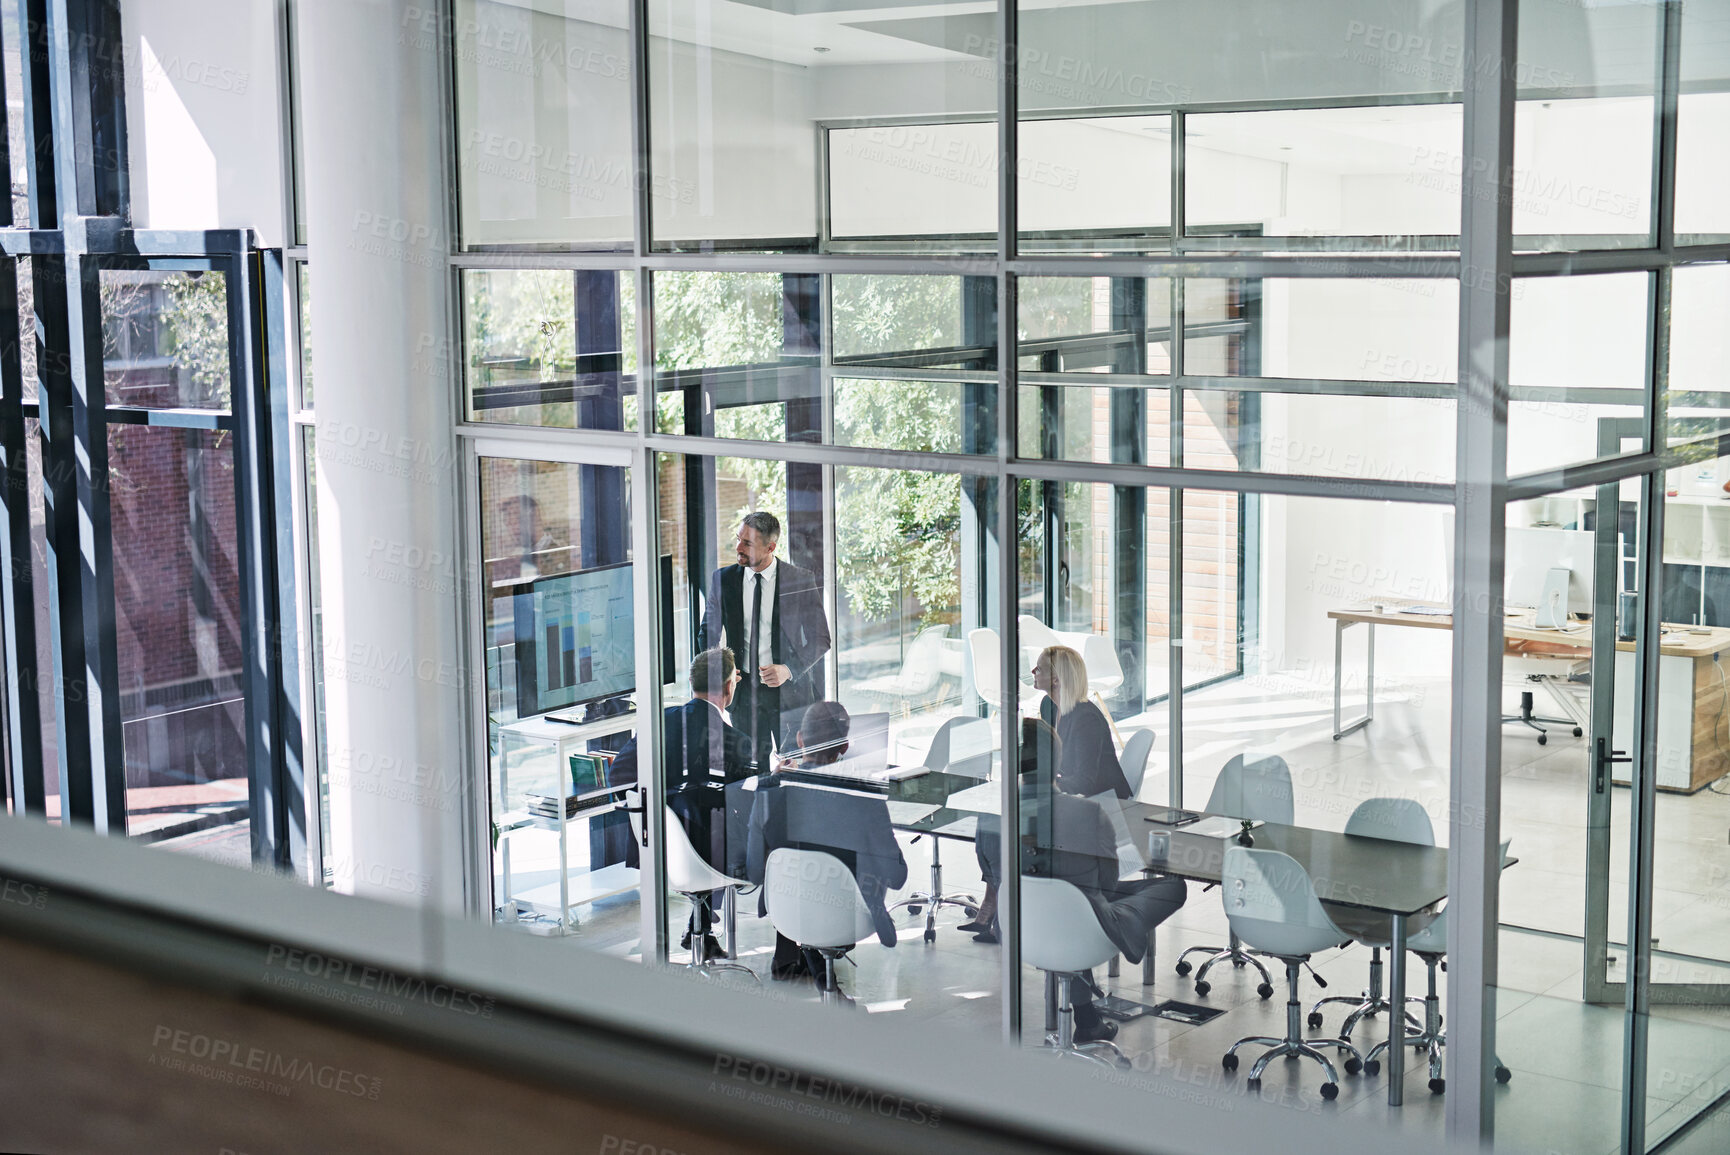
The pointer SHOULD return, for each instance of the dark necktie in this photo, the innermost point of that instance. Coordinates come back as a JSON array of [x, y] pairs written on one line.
[[756, 624]]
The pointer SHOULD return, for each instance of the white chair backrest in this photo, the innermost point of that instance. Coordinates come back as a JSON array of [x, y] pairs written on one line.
[[962, 746], [1257, 787], [1104, 671], [1271, 903], [1059, 931], [814, 900], [985, 650], [1433, 939], [923, 666], [687, 873], [1035, 634], [1136, 753], [1395, 819]]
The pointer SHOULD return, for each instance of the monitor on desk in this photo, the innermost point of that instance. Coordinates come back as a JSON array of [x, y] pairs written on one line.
[[1531, 555]]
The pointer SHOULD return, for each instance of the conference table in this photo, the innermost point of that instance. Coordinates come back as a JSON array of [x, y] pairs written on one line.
[[1403, 881]]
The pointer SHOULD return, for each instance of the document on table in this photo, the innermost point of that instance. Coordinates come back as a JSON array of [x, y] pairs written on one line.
[[985, 798], [1215, 826], [907, 813]]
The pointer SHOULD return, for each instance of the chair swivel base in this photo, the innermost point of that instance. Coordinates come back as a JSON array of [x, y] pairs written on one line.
[[1234, 954], [1298, 1049], [1527, 718], [931, 900], [700, 963], [1061, 1043]]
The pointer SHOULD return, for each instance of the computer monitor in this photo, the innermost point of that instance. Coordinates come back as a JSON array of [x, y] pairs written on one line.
[[575, 638], [1531, 554]]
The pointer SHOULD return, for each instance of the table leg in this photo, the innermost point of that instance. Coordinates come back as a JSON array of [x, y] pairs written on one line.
[[564, 876], [1147, 967], [730, 912], [1341, 726], [1396, 1058]]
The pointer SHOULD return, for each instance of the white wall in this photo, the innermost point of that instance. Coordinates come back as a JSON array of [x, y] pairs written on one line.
[[203, 123]]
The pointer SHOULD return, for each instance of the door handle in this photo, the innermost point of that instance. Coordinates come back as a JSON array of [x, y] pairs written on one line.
[[642, 810], [1605, 758]]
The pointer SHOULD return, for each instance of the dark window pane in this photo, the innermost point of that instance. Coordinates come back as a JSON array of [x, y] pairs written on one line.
[[178, 635]]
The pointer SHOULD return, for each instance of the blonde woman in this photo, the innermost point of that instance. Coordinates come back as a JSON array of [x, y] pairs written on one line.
[[1089, 765]]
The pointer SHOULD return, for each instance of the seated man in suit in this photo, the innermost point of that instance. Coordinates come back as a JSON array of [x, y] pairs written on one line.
[[854, 827], [703, 752], [1067, 837]]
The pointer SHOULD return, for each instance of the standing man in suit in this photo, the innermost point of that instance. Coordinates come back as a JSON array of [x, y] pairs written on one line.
[[770, 614]]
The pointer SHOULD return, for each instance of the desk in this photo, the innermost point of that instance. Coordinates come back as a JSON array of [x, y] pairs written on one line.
[[1402, 880], [1693, 686]]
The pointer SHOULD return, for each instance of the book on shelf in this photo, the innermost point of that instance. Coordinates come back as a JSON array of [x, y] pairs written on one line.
[[542, 806]]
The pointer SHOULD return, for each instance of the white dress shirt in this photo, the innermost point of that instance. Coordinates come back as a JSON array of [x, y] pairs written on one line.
[[765, 626]]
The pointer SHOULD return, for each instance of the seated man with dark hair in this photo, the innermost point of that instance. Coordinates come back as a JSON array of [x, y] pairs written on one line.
[[854, 827], [1067, 837], [703, 752]]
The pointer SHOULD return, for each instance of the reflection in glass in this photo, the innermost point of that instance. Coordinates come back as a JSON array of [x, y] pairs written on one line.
[[315, 631], [17, 138], [549, 347], [543, 98], [560, 622], [165, 339], [178, 632], [303, 307], [48, 688]]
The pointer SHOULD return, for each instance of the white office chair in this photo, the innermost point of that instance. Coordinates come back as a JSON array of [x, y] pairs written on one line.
[[962, 746], [1531, 671], [814, 900], [1431, 945], [1061, 935], [1136, 753], [921, 671], [689, 875], [1271, 904], [1257, 787], [1397, 820], [985, 649], [1104, 670]]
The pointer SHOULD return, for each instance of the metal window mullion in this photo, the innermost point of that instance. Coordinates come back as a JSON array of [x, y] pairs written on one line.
[[24, 770], [1664, 130], [1474, 866], [1008, 555], [32, 34]]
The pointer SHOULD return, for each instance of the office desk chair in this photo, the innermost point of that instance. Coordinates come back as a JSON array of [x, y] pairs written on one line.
[[814, 900], [1062, 937], [1431, 945], [1136, 753], [1532, 670], [1258, 788], [1272, 905], [689, 875], [920, 674], [961, 745], [1397, 820]]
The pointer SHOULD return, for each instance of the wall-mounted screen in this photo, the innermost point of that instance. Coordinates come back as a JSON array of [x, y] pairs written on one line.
[[575, 638]]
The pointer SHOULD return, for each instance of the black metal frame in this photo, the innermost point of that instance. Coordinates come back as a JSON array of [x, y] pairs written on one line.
[[75, 123]]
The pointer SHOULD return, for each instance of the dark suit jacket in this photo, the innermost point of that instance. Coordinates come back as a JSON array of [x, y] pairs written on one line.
[[1067, 837], [704, 753], [798, 634], [853, 827], [1090, 764]]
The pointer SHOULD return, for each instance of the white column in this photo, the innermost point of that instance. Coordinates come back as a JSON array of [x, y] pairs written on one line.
[[388, 463]]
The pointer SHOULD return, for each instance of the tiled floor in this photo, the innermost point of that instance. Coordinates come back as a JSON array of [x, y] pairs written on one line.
[[1566, 1056]]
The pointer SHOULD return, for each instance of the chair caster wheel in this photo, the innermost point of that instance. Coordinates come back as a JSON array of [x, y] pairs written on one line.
[[1579, 733], [1265, 991], [1229, 1062], [1372, 1067], [1315, 1019], [930, 934], [1253, 1084], [970, 912], [1543, 739], [1353, 1066], [1420, 1048], [915, 910], [1503, 1074], [1437, 1086], [1330, 1091], [1202, 988], [1183, 968]]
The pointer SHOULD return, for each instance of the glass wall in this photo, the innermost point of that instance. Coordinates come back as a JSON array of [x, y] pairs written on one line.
[[1248, 340]]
